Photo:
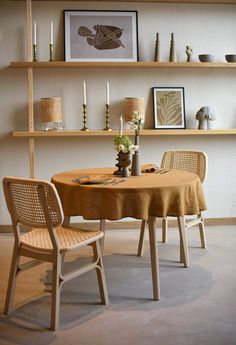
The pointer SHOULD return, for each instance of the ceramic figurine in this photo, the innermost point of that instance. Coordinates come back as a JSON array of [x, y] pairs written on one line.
[[172, 57], [189, 52], [205, 117]]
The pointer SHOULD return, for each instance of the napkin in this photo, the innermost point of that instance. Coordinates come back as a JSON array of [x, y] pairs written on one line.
[[149, 168], [92, 179]]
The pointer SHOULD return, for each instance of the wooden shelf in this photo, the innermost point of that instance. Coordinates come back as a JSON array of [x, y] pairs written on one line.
[[141, 64], [161, 1], [101, 133]]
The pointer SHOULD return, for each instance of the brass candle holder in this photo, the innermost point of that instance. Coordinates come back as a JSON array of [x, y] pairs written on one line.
[[85, 128], [50, 52], [34, 52], [107, 121]]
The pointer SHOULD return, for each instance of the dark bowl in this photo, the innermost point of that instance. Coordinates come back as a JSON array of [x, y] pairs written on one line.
[[230, 57], [206, 57]]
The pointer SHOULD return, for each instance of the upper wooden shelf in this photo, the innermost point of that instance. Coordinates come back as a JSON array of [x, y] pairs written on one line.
[[140, 64], [161, 1], [145, 132]]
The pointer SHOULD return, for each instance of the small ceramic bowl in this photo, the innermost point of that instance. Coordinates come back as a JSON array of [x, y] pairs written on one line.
[[206, 57], [230, 57]]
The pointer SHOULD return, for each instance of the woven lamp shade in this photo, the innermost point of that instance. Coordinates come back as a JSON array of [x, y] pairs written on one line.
[[131, 105], [51, 109]]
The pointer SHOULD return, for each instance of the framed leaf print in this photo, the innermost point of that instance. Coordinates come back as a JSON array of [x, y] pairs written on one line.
[[169, 107], [101, 35]]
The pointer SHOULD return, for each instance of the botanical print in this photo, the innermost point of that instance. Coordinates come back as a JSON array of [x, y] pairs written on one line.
[[105, 36], [169, 108]]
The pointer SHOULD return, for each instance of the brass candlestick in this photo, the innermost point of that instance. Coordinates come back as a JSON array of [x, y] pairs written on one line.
[[50, 52], [85, 128], [107, 127], [34, 52]]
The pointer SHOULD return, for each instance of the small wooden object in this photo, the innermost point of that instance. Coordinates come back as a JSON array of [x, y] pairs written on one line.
[[172, 57], [157, 49]]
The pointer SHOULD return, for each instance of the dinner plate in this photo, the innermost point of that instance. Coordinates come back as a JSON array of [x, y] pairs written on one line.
[[93, 179]]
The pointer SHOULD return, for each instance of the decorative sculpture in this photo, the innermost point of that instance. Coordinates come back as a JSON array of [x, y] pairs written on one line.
[[189, 52], [124, 162], [157, 49], [172, 57], [205, 117]]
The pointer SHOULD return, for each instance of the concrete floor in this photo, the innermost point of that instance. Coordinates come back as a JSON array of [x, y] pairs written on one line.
[[197, 304]]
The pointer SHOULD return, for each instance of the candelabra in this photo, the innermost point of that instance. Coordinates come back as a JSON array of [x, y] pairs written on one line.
[[85, 128], [107, 122]]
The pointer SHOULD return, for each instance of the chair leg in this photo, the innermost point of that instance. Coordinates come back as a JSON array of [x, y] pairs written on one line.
[[184, 255], [154, 258], [164, 230], [56, 287], [141, 237], [103, 229], [100, 272], [12, 281], [66, 221], [202, 232]]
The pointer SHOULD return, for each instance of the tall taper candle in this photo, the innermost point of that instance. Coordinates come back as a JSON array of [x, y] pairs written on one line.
[[35, 35], [108, 93], [121, 124], [84, 93], [51, 33]]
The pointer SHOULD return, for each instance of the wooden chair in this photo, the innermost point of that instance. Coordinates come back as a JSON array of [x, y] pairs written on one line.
[[36, 204], [195, 162]]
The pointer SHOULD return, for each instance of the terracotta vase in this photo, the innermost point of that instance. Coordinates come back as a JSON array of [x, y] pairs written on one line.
[[136, 165]]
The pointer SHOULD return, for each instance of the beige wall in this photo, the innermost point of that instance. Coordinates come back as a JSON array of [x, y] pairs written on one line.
[[207, 28]]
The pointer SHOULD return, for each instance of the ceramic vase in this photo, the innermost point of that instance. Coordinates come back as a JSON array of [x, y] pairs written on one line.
[[136, 166], [124, 162]]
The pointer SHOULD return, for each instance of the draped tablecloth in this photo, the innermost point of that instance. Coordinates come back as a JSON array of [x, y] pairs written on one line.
[[172, 193]]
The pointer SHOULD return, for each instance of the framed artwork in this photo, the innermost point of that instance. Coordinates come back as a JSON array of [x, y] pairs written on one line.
[[169, 107], [101, 35]]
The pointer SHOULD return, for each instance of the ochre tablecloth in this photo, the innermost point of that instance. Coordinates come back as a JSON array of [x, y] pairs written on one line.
[[175, 193]]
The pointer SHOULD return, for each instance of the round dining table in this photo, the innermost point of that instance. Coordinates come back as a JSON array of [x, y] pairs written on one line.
[[97, 193]]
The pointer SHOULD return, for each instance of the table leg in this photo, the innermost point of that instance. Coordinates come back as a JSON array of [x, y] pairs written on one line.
[[184, 256], [103, 229], [154, 258]]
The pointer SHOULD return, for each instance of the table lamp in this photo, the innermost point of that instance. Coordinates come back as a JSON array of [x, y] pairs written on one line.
[[51, 115], [131, 105]]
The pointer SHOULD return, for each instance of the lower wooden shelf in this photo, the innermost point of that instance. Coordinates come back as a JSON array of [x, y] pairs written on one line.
[[102, 133]]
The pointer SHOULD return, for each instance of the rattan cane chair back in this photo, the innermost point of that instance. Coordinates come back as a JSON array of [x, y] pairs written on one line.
[[193, 161], [36, 204]]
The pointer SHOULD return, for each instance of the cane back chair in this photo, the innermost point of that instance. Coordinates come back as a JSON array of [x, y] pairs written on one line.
[[36, 204], [192, 161]]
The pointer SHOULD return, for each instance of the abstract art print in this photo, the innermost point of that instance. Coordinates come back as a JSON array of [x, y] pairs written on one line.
[[101, 35], [169, 107]]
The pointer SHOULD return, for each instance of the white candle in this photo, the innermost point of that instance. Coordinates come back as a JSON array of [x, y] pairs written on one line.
[[84, 93], [108, 93], [121, 124], [35, 36], [51, 33]]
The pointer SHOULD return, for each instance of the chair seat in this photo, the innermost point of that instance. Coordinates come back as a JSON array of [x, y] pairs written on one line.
[[69, 238]]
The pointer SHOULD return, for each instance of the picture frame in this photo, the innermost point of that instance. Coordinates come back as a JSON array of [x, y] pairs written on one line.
[[101, 35], [169, 108]]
